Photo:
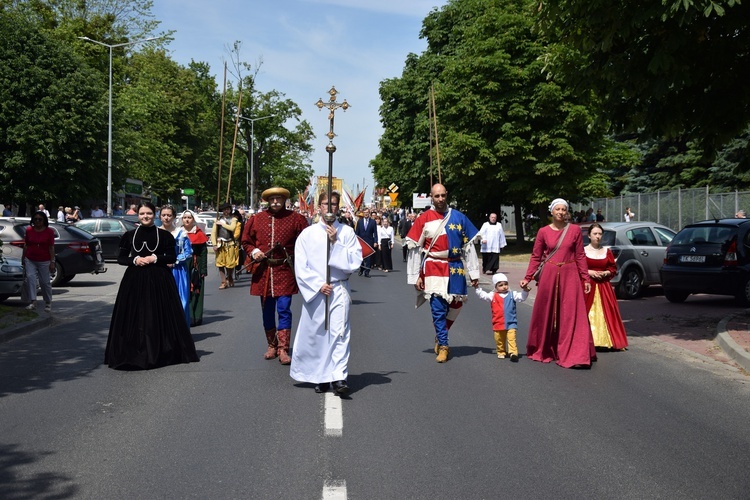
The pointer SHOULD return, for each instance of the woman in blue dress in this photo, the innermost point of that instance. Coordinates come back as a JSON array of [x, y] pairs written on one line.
[[184, 252]]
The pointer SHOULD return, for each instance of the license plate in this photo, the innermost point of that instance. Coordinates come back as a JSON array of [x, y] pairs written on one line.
[[693, 258]]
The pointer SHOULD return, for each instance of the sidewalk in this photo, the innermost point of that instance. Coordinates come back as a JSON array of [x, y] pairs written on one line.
[[733, 335], [649, 318]]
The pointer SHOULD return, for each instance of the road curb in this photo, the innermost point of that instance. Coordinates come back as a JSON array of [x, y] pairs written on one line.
[[727, 343], [26, 328]]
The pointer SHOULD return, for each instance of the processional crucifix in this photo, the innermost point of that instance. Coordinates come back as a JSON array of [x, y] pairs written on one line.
[[329, 217]]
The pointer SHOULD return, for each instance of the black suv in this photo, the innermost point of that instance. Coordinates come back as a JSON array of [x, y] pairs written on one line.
[[711, 256]]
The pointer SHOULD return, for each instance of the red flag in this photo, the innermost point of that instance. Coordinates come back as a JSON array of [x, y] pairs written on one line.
[[367, 250], [359, 199]]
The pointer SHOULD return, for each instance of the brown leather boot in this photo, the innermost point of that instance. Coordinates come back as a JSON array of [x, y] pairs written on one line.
[[442, 356], [273, 344], [283, 350]]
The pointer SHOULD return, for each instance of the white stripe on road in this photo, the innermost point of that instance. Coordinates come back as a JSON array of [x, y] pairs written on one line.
[[334, 490], [334, 416]]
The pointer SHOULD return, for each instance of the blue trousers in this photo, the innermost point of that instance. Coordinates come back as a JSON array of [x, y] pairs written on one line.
[[272, 305], [443, 316]]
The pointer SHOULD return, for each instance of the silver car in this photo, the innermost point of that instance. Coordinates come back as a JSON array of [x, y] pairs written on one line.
[[639, 249]]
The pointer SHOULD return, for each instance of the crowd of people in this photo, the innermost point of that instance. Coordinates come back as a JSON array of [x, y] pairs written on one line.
[[283, 250]]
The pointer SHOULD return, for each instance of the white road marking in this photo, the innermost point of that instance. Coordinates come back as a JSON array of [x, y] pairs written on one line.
[[334, 490], [334, 415]]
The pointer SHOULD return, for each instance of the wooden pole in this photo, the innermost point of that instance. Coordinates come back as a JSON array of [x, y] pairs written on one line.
[[429, 119], [437, 142], [221, 136], [234, 142]]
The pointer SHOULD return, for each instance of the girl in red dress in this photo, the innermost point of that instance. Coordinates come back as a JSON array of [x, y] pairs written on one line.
[[604, 313]]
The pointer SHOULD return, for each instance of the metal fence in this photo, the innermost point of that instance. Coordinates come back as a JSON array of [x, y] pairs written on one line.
[[673, 209]]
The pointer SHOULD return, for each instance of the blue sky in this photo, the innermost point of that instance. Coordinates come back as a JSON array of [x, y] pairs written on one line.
[[305, 47]]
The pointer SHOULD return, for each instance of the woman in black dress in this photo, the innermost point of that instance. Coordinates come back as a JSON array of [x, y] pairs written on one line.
[[148, 327]]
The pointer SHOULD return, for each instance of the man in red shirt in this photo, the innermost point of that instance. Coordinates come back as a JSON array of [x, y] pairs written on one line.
[[268, 240]]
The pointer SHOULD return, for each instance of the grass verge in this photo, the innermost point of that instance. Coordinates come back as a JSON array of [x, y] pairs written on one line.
[[10, 316]]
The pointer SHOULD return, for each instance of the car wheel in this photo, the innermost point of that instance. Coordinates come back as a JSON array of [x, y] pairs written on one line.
[[743, 295], [57, 277], [675, 296], [630, 286]]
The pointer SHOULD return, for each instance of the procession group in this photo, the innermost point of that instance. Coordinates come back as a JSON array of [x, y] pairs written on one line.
[[286, 254]]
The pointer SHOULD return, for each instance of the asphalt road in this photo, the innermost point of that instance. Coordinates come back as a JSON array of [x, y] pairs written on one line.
[[640, 424]]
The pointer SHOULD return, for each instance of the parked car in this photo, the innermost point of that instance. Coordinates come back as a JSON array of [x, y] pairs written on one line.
[[711, 256], [76, 251], [207, 219], [11, 276], [108, 230], [639, 249]]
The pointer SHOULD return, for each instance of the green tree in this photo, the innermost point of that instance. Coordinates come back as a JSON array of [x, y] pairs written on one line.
[[167, 126], [663, 69], [52, 118], [507, 134]]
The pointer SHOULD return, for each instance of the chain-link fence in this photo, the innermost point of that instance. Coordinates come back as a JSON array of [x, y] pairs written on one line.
[[673, 209]]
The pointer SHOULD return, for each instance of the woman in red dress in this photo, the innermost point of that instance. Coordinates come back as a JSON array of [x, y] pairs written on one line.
[[559, 329], [604, 313]]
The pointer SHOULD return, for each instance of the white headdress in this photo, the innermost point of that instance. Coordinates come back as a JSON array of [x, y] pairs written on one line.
[[557, 201]]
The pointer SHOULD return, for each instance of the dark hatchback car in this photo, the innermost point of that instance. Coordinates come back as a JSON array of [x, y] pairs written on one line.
[[76, 251], [711, 256], [108, 231], [638, 248]]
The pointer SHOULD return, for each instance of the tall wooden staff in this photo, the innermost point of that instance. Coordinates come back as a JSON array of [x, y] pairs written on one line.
[[329, 217], [434, 128], [221, 136], [234, 142]]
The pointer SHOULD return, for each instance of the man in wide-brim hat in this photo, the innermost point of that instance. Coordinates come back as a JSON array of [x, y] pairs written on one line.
[[268, 240], [226, 245]]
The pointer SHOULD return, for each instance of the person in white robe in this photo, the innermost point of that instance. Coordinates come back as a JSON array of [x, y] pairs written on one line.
[[493, 241], [320, 356]]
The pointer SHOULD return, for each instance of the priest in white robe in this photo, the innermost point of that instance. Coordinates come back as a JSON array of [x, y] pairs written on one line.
[[493, 241], [321, 356]]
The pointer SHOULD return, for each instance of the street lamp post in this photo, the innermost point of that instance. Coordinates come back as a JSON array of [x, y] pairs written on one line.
[[251, 182], [109, 140]]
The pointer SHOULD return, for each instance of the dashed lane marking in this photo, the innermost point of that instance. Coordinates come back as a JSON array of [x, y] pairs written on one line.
[[334, 416]]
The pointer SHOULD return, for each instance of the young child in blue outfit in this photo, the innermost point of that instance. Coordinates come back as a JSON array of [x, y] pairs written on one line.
[[504, 317]]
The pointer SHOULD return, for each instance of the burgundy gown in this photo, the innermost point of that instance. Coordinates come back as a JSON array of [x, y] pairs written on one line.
[[559, 329], [604, 313]]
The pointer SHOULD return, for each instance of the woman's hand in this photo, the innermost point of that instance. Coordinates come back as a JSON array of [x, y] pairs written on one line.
[[587, 288], [524, 283], [326, 290]]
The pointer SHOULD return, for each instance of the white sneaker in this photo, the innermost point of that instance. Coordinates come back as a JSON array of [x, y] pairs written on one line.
[[31, 307], [48, 308]]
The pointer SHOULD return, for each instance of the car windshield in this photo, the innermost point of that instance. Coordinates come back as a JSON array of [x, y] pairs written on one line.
[[698, 235]]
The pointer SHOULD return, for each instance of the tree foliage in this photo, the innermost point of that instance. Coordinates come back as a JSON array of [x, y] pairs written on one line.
[[668, 69], [507, 133], [52, 117]]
